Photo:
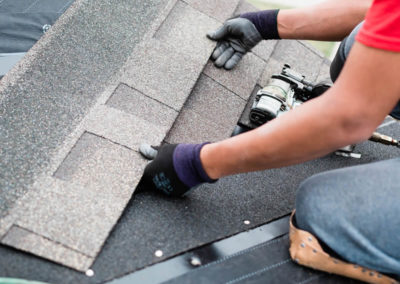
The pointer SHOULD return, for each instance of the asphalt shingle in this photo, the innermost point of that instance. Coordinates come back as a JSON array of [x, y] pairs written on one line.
[[52, 89], [33, 243], [244, 7], [214, 102], [191, 127], [80, 210], [133, 102], [324, 72], [125, 129], [218, 9], [185, 31], [273, 67], [210, 114], [162, 73], [300, 57], [264, 49], [248, 70]]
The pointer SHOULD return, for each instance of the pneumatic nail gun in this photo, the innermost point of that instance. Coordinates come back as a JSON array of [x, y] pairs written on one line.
[[286, 91]]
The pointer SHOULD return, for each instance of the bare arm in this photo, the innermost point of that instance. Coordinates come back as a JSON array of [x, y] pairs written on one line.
[[329, 20], [366, 91]]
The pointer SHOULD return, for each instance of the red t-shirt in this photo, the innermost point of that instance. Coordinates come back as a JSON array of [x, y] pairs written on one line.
[[381, 28]]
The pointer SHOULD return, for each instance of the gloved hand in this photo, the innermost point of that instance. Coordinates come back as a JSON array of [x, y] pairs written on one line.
[[236, 37], [239, 35], [175, 169]]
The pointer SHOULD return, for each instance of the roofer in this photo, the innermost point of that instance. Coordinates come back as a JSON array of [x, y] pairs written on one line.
[[354, 212]]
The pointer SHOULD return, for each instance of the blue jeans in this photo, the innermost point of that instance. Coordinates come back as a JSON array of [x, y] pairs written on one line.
[[355, 211]]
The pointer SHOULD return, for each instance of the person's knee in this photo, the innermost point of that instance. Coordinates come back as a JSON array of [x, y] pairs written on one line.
[[315, 201]]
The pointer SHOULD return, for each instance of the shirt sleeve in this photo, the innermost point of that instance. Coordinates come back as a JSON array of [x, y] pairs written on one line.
[[382, 26]]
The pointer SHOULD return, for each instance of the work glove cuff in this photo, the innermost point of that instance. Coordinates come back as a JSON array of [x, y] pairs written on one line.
[[266, 22], [188, 166]]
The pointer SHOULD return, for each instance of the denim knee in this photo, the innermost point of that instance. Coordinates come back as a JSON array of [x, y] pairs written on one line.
[[315, 202]]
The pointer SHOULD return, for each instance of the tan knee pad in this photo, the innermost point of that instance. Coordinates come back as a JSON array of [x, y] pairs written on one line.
[[306, 250]]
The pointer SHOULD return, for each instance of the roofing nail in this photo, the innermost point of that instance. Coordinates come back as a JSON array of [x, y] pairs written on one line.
[[195, 261], [89, 273], [158, 253], [246, 222]]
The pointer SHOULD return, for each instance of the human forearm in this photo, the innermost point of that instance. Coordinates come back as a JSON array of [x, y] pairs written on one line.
[[366, 91], [305, 133], [329, 20]]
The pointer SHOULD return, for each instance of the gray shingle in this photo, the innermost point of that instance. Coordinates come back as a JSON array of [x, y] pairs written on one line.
[[298, 56], [51, 90], [248, 70], [86, 146], [162, 73], [218, 9], [264, 49], [324, 73], [185, 30], [191, 127], [215, 103], [273, 67], [125, 129], [80, 212], [244, 7], [133, 102], [30, 242]]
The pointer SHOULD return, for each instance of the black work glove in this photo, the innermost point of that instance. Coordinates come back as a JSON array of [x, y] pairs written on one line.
[[175, 169], [236, 37], [239, 35]]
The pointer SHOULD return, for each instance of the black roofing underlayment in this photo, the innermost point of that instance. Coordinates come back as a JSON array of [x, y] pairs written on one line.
[[150, 221], [22, 23]]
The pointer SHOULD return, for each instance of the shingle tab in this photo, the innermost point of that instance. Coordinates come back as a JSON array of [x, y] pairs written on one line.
[[273, 67], [30, 242], [244, 7], [210, 114], [191, 127], [218, 9], [264, 49], [215, 103], [100, 187], [50, 91], [298, 56], [248, 70], [162, 73], [185, 30], [125, 129], [324, 72], [134, 102]]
